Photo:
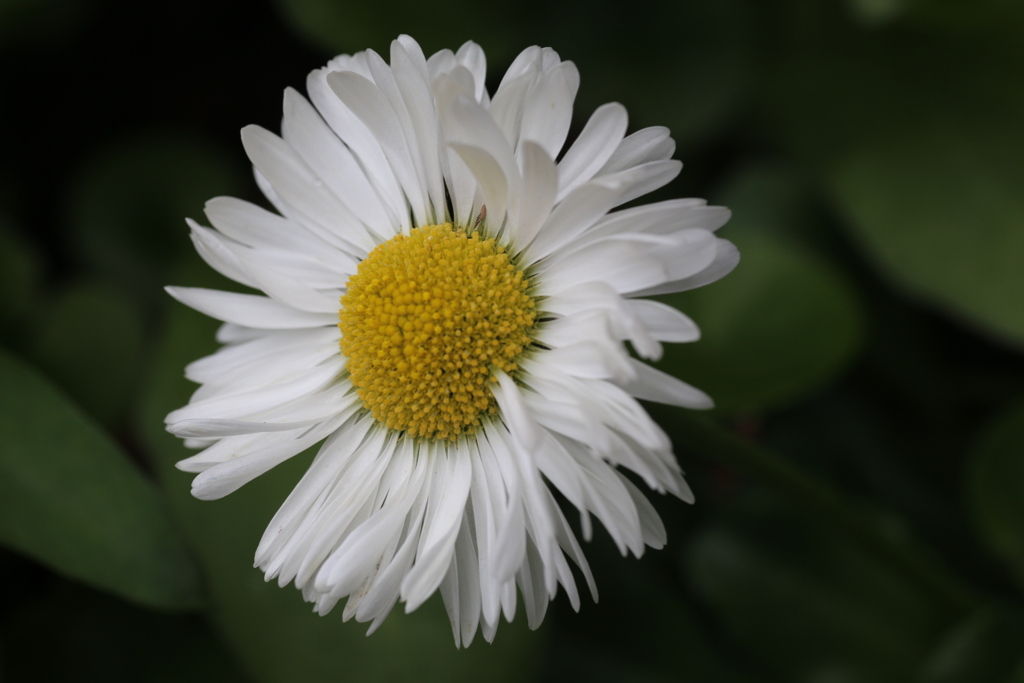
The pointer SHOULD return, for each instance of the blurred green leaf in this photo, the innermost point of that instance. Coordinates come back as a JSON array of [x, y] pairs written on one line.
[[340, 28], [692, 58], [770, 196], [916, 140], [272, 630], [23, 21], [128, 204], [988, 19], [810, 606], [74, 634], [780, 326], [20, 272], [996, 488], [70, 499], [878, 11], [941, 210], [684, 65], [89, 340], [642, 630], [984, 648]]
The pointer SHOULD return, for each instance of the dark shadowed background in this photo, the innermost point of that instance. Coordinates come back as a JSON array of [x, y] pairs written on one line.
[[860, 486]]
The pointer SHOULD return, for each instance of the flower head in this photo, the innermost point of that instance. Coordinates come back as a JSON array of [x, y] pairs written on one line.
[[446, 308]]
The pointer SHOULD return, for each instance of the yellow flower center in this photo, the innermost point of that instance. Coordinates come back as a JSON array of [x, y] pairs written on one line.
[[425, 321]]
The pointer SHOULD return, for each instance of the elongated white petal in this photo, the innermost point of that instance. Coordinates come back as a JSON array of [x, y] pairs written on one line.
[[726, 257], [248, 309], [206, 429], [256, 227], [489, 176], [362, 96], [547, 111], [325, 153], [643, 146], [358, 138], [449, 492], [466, 122], [227, 477], [538, 198], [664, 322], [654, 385], [218, 255], [302, 191], [595, 145]]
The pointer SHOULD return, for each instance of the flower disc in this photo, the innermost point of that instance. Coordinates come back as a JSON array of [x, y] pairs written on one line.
[[425, 320]]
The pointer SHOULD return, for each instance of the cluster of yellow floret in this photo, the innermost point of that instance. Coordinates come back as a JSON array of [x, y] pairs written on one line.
[[424, 322]]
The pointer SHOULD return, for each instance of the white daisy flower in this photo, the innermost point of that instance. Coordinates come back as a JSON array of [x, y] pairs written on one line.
[[447, 306]]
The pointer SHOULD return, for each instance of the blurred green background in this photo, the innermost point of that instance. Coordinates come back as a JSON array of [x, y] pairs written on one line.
[[860, 487]]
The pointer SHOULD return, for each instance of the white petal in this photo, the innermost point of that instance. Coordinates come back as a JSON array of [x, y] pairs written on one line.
[[540, 181], [362, 548], [653, 529], [507, 106], [331, 160], [578, 212], [345, 502], [207, 428], [363, 97], [467, 123], [726, 257], [248, 309], [655, 385], [410, 73], [361, 141], [447, 501], [489, 176], [302, 191], [268, 345], [650, 177], [459, 181], [322, 268], [331, 458], [249, 403], [547, 112], [513, 411], [256, 227], [218, 255], [643, 146], [665, 322], [595, 145], [225, 478], [662, 218], [471, 56], [622, 266]]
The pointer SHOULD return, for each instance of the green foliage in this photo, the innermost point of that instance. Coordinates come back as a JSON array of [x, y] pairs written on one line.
[[70, 499], [943, 212], [996, 489], [22, 21], [809, 605], [127, 207], [613, 640], [346, 28], [89, 339], [98, 637], [984, 648], [19, 278], [917, 142]]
